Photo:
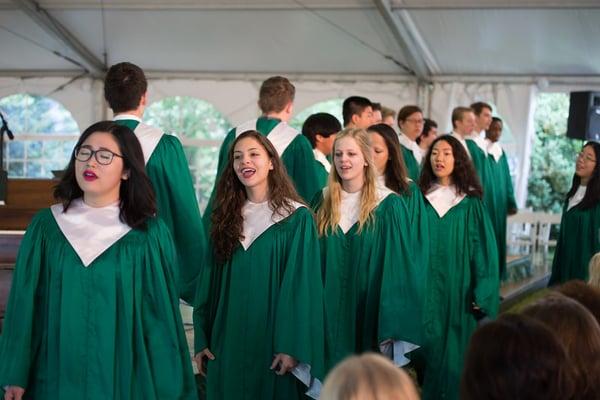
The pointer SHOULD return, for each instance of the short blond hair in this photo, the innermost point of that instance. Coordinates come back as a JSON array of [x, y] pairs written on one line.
[[368, 377], [594, 270]]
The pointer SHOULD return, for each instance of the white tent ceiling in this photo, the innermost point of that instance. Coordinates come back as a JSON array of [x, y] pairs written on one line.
[[433, 38]]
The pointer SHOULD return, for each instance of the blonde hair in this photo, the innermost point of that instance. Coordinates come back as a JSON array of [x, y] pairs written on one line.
[[594, 269], [329, 213], [368, 377]]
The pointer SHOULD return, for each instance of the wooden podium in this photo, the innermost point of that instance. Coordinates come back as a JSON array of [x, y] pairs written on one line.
[[24, 198]]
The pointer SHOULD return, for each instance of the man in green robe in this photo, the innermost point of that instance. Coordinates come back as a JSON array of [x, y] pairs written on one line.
[[504, 198], [167, 167], [95, 316], [320, 129], [410, 122], [276, 99]]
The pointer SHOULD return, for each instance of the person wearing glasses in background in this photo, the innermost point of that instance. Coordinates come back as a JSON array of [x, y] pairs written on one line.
[[579, 236], [410, 122], [94, 311]]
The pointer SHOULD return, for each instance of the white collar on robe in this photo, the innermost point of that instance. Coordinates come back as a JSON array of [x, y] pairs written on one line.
[[320, 157], [350, 206], [479, 141], [148, 136], [494, 149], [462, 141], [258, 217], [577, 197], [412, 146], [281, 136], [443, 198], [90, 231]]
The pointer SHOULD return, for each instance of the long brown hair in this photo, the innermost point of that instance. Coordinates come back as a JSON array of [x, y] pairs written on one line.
[[464, 177], [395, 170], [329, 213], [227, 222]]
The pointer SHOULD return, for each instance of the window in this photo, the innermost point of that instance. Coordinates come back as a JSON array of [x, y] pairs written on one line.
[[45, 134], [201, 129], [333, 107]]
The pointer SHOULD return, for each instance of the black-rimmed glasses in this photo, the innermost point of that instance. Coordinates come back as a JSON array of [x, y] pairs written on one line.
[[103, 156]]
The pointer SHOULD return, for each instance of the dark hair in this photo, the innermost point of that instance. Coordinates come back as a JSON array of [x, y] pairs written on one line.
[[464, 176], [354, 105], [592, 193], [227, 222], [323, 124], [428, 125], [124, 86], [587, 295], [275, 94], [376, 106], [406, 112], [137, 201], [395, 169], [516, 357], [579, 333], [496, 119], [458, 113], [479, 106]]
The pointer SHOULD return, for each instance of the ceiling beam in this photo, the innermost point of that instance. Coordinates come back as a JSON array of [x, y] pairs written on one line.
[[404, 38], [51, 25]]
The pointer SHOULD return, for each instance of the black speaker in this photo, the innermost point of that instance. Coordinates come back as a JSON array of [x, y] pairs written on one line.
[[584, 116]]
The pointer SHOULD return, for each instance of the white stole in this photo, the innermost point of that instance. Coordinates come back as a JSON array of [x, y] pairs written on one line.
[[148, 136], [444, 198], [350, 206], [90, 231], [494, 149], [281, 136], [577, 197], [321, 158], [462, 141], [258, 217], [412, 146]]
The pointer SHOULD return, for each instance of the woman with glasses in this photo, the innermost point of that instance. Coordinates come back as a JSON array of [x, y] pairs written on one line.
[[410, 122], [93, 312], [579, 236]]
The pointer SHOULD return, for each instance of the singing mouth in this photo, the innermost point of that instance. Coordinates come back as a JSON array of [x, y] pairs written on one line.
[[247, 172], [89, 175]]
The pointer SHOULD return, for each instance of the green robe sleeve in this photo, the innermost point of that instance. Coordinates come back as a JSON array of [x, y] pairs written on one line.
[[299, 161], [177, 205], [510, 193], [299, 320], [401, 291], [17, 343], [161, 320], [483, 259]]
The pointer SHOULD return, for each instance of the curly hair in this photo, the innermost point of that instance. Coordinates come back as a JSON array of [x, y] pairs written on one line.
[[227, 222], [592, 194], [395, 169], [463, 176]]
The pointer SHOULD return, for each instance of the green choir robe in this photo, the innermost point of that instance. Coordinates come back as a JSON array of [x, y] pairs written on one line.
[[419, 226], [371, 284], [463, 268], [412, 166], [322, 168], [297, 158], [578, 241], [105, 329], [267, 299], [504, 200], [168, 170]]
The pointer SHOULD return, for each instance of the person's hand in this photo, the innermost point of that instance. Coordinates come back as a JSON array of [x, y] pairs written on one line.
[[201, 358], [286, 363], [13, 393]]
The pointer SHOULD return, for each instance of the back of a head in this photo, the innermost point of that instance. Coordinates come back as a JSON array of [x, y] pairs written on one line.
[[354, 105], [368, 377], [275, 94], [579, 333], [587, 295], [516, 357], [323, 124], [124, 86]]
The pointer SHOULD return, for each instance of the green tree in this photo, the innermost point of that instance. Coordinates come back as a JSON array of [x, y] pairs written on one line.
[[553, 155], [333, 107]]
